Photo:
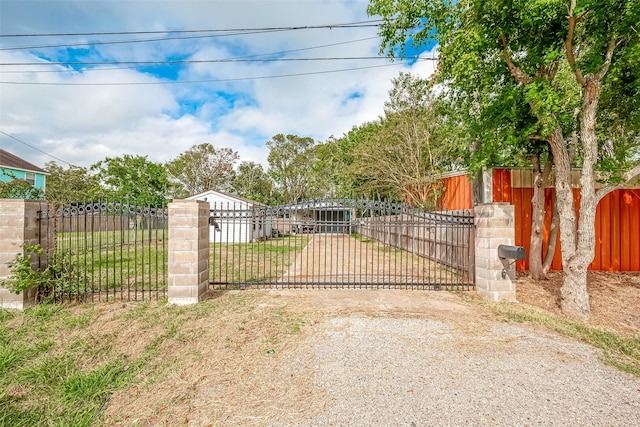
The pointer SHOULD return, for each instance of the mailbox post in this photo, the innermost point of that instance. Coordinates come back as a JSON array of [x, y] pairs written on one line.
[[495, 254], [510, 253], [516, 253]]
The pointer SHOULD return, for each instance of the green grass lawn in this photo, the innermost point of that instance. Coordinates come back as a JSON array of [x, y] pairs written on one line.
[[263, 261], [117, 263], [60, 364], [126, 260]]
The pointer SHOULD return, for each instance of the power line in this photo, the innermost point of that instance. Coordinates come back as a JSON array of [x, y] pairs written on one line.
[[237, 57], [205, 61], [218, 33], [31, 146], [343, 25], [175, 82], [102, 43]]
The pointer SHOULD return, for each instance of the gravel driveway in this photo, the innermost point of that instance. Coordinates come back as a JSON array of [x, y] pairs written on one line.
[[373, 358], [444, 364]]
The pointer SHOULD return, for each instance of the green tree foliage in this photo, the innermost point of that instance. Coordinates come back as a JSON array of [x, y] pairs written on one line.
[[335, 157], [202, 168], [73, 184], [252, 182], [403, 158], [520, 47], [19, 189], [291, 160], [134, 178]]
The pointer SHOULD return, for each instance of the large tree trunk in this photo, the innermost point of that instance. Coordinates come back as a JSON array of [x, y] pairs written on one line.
[[574, 295], [540, 177], [553, 237], [574, 298]]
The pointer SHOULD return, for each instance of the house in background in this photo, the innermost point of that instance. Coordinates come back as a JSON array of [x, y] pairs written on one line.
[[12, 166], [235, 219]]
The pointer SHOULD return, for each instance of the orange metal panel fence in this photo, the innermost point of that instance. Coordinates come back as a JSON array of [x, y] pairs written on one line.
[[617, 221]]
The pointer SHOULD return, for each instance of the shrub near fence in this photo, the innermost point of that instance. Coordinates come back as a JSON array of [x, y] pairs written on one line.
[[115, 250]]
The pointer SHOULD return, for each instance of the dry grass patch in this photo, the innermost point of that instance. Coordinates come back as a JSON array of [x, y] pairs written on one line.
[[242, 360], [614, 326]]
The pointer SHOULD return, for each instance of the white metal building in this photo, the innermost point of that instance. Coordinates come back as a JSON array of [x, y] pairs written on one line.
[[235, 219]]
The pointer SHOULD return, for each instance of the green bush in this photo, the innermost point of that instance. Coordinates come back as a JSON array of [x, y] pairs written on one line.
[[58, 275]]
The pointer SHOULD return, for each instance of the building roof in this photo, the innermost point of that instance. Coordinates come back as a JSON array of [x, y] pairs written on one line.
[[230, 197], [9, 160]]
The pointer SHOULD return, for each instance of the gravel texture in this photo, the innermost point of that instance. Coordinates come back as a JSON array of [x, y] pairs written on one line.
[[380, 371]]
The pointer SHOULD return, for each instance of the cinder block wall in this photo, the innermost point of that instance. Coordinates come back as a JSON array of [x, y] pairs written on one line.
[[495, 225], [188, 267], [18, 226]]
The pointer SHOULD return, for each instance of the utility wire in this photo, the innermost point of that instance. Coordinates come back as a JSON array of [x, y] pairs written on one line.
[[96, 43], [133, 67], [31, 146], [111, 33], [205, 61], [224, 33], [258, 55], [171, 82]]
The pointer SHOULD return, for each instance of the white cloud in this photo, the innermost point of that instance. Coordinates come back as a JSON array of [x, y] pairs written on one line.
[[427, 64], [85, 124]]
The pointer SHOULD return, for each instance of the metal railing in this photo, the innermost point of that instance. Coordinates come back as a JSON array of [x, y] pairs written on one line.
[[104, 250], [340, 244]]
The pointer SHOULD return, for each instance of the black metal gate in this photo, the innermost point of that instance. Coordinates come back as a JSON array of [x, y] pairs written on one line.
[[343, 243], [104, 250]]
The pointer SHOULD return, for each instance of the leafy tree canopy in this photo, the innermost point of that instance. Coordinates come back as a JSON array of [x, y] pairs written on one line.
[[291, 159], [202, 168], [410, 147], [134, 178], [73, 184], [252, 182]]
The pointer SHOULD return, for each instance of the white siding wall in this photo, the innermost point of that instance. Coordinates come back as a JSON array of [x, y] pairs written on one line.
[[238, 229]]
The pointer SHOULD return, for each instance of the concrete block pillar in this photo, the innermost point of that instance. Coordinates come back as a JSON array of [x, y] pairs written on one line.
[[495, 225], [188, 267], [18, 226]]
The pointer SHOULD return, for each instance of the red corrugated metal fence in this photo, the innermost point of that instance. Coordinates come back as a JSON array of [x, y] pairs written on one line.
[[617, 217]]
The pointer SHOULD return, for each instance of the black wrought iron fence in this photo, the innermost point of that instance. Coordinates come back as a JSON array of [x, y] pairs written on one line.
[[340, 243], [104, 250]]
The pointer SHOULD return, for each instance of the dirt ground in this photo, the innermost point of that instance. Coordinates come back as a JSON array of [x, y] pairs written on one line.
[[340, 258], [250, 360], [614, 298]]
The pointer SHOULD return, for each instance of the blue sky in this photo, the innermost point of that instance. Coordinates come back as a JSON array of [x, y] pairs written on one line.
[[105, 106]]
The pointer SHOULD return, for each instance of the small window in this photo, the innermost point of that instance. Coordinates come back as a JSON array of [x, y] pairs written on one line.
[[30, 177]]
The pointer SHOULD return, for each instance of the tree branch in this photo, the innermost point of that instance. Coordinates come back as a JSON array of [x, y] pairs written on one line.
[[582, 15], [568, 44], [516, 72], [536, 137], [626, 177], [607, 59], [631, 174]]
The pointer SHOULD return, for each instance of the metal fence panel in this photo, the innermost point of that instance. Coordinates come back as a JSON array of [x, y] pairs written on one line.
[[340, 244], [105, 250]]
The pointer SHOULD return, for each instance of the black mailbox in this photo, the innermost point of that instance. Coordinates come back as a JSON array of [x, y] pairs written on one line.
[[511, 252]]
